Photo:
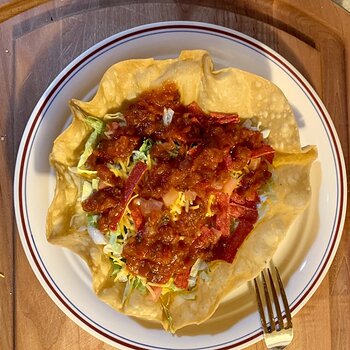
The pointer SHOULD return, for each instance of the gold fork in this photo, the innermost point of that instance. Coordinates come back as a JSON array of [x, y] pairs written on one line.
[[278, 332]]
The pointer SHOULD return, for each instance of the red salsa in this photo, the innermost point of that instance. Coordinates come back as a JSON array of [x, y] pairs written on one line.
[[218, 165]]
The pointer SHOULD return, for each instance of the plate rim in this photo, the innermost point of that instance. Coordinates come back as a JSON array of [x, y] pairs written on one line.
[[43, 103]]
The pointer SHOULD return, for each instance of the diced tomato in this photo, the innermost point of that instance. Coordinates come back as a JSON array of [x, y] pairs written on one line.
[[181, 279], [149, 206], [252, 194], [195, 150], [265, 151], [240, 211], [137, 216], [224, 118], [222, 215], [207, 238], [228, 246], [194, 109], [228, 162]]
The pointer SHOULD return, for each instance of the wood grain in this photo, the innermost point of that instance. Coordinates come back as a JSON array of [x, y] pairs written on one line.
[[7, 261], [37, 43], [13, 8]]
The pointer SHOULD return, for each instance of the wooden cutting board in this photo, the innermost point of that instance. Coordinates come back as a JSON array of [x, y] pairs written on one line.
[[36, 43]]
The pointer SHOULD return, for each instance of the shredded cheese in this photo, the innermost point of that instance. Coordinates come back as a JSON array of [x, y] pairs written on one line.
[[181, 202], [120, 169], [211, 201]]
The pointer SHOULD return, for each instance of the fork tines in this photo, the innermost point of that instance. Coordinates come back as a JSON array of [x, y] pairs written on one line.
[[270, 293]]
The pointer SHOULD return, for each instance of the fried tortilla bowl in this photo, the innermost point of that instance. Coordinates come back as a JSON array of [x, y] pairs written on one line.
[[227, 90]]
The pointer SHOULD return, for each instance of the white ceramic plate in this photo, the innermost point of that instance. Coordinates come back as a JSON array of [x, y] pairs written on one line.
[[303, 258]]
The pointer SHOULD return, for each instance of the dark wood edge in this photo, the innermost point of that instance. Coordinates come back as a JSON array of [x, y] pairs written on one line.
[[15, 7]]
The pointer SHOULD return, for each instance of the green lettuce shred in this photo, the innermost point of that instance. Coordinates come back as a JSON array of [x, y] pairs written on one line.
[[96, 123], [199, 269], [134, 282], [99, 126], [143, 152], [116, 117], [92, 220]]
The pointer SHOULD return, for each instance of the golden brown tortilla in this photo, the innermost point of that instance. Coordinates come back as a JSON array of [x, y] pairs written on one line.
[[226, 90]]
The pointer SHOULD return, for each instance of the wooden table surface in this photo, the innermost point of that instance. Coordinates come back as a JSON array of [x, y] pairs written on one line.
[[37, 43]]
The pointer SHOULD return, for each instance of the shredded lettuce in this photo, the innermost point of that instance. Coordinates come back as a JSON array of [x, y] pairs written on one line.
[[134, 282], [92, 219], [96, 235], [89, 147], [114, 251], [168, 114], [199, 268], [99, 126], [117, 117], [88, 188], [86, 191], [143, 154], [265, 133], [116, 269], [233, 224], [94, 184], [127, 290], [266, 195], [96, 123], [204, 275], [120, 169], [114, 247], [175, 151], [139, 283]]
